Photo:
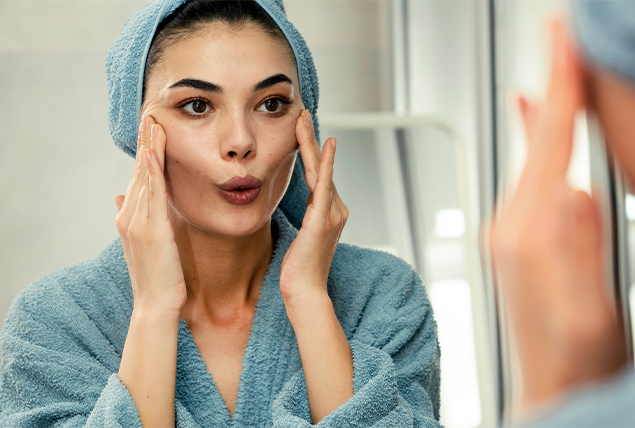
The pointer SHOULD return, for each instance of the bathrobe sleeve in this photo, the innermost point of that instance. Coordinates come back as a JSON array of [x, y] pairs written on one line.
[[396, 363], [58, 368]]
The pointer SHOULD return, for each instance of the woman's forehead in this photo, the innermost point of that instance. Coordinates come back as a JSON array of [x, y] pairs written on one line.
[[231, 58]]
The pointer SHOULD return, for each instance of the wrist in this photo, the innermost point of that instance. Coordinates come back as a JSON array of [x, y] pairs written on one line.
[[157, 315], [309, 308]]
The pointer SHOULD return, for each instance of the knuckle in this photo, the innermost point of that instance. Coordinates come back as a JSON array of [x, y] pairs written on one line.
[[138, 235], [132, 234], [135, 230], [335, 221], [122, 226], [345, 211], [152, 194]]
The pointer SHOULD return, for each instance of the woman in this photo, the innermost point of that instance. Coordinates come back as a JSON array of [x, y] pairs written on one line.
[[213, 309], [548, 240]]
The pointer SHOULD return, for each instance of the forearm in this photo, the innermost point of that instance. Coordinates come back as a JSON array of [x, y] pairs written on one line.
[[325, 352], [148, 365]]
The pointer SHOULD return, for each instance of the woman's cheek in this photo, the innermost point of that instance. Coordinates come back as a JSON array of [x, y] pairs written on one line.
[[184, 165], [184, 145], [281, 178]]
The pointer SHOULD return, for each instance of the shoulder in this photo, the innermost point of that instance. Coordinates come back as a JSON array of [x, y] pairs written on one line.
[[95, 290], [374, 287], [607, 403], [368, 262], [356, 270]]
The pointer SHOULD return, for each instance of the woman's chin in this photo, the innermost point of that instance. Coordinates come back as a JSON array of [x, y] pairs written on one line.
[[241, 225], [232, 223]]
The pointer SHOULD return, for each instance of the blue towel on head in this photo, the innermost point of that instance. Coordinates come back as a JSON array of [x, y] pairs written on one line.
[[125, 66], [605, 31]]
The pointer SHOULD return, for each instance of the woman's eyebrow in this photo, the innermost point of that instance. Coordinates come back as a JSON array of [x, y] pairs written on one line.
[[270, 81], [197, 84]]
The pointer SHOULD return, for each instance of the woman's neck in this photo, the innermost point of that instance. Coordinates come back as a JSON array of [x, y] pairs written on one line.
[[223, 274]]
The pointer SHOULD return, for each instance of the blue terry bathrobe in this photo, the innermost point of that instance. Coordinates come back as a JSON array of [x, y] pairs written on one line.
[[63, 338]]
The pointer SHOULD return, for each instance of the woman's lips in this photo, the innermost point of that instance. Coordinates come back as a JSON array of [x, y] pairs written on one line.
[[241, 190]]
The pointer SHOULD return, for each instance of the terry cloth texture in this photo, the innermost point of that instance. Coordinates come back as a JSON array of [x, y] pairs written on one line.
[[63, 339], [125, 67], [605, 30]]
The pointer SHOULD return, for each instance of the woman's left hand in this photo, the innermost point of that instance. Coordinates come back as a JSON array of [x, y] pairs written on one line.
[[324, 349], [305, 267]]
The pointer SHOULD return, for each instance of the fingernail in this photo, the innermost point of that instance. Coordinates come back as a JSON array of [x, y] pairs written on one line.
[[153, 131], [144, 124], [334, 142], [306, 122], [147, 155]]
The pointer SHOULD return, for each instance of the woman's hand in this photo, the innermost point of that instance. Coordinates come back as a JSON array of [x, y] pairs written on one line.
[[305, 267], [148, 362], [324, 349], [145, 229], [547, 248]]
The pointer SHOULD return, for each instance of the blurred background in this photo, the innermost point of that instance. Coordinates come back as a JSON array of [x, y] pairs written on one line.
[[417, 92]]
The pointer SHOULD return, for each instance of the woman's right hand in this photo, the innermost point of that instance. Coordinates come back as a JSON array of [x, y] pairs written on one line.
[[146, 233]]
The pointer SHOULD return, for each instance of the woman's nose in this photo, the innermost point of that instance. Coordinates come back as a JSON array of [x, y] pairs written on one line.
[[238, 142]]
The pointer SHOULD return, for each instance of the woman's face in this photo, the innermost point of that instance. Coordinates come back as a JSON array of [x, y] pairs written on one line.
[[228, 100]]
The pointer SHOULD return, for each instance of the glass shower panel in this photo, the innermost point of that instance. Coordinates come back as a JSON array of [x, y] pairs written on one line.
[[439, 192], [360, 187], [402, 184]]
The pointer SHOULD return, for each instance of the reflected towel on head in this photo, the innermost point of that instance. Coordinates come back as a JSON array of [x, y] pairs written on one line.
[[125, 67], [605, 30]]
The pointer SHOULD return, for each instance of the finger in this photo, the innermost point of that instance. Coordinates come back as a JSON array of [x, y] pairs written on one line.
[[323, 193], [157, 143], [554, 139], [140, 215], [142, 127], [143, 141], [307, 151], [119, 201], [139, 170], [157, 197], [340, 204], [315, 143]]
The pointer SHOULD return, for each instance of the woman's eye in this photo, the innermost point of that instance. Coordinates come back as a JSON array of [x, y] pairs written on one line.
[[196, 107], [271, 105]]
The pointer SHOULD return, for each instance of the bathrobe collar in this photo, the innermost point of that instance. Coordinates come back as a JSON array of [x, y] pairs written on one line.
[[195, 388]]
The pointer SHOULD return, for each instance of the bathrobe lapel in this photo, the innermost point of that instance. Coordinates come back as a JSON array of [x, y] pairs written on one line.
[[270, 358]]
